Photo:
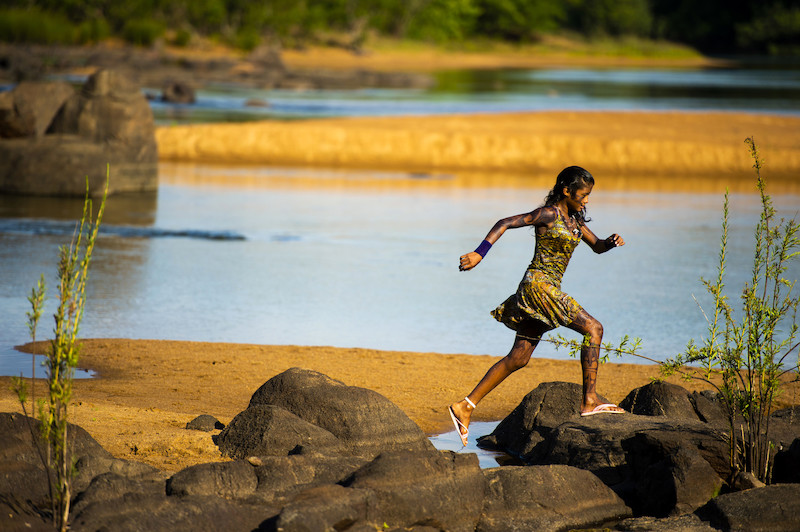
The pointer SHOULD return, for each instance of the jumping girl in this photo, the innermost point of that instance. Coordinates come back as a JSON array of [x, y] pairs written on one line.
[[539, 305]]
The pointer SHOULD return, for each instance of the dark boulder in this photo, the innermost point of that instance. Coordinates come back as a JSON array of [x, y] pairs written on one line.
[[268, 430], [709, 407], [660, 399], [547, 498], [178, 92], [330, 507], [440, 489], [543, 409], [285, 476], [670, 477], [108, 122], [229, 480], [205, 423], [363, 420], [787, 464], [774, 508]]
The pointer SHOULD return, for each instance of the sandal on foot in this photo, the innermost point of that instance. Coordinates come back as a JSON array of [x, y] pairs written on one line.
[[605, 408], [458, 425]]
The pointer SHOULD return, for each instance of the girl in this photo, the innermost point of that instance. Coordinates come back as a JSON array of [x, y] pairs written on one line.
[[539, 305]]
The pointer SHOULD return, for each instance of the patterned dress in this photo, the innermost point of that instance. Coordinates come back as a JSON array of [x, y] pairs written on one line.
[[539, 297]]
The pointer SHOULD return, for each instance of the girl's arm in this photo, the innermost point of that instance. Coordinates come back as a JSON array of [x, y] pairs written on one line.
[[600, 246], [543, 216]]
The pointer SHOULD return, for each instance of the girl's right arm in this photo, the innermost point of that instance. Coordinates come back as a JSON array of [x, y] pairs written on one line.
[[543, 216]]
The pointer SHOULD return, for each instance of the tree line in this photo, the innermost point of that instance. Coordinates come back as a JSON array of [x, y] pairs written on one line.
[[711, 26]]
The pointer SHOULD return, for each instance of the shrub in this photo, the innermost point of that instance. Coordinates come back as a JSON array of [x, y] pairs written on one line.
[[35, 26], [142, 32]]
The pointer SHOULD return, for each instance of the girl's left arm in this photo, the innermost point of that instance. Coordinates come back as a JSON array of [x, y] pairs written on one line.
[[598, 245]]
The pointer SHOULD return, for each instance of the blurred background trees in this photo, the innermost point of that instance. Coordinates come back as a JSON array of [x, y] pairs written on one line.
[[711, 26]]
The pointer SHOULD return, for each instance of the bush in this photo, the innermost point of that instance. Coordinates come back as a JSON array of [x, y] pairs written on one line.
[[142, 32], [35, 26], [92, 31]]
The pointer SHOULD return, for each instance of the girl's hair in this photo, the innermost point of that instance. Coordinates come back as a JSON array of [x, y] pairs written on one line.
[[572, 178]]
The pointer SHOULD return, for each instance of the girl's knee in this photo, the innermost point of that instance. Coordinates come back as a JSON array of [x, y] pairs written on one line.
[[595, 331], [515, 361]]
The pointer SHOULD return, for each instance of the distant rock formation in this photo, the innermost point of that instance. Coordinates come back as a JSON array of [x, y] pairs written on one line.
[[52, 137]]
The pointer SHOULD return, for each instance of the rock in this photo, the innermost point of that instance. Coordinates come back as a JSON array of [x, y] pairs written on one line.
[[709, 408], [329, 507], [28, 109], [660, 399], [671, 477], [22, 472], [229, 480], [108, 122], [787, 464], [148, 512], [545, 498], [268, 430], [681, 523], [285, 476], [441, 489], [363, 420], [543, 409], [775, 508], [178, 92], [205, 423], [109, 487], [256, 102], [746, 480]]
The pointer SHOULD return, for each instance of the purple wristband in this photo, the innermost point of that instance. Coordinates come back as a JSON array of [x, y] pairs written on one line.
[[483, 248]]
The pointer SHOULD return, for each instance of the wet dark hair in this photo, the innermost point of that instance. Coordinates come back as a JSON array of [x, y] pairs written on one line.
[[572, 178]]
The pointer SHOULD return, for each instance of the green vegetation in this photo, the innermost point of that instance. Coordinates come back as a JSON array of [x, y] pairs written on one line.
[[712, 26], [751, 353], [62, 359]]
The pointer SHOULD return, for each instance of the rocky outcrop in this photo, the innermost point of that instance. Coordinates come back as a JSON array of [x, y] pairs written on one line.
[[544, 498], [316, 454], [773, 508], [55, 138]]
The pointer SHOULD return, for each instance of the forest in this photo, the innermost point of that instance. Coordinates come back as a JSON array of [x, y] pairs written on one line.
[[715, 27]]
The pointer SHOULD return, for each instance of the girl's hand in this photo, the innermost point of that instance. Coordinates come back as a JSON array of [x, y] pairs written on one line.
[[614, 241], [469, 261]]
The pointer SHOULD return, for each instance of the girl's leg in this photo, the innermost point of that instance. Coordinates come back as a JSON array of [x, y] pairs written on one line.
[[517, 358], [592, 332]]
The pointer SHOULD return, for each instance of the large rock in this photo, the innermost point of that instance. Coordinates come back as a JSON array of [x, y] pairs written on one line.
[[543, 409], [441, 489], [363, 420], [28, 110], [268, 430], [285, 476], [547, 498], [108, 122], [787, 464], [773, 508], [660, 399]]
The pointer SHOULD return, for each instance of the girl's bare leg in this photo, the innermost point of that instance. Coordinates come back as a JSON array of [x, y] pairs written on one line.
[[592, 331], [517, 358]]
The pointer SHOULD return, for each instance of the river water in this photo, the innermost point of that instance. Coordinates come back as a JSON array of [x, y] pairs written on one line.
[[369, 259]]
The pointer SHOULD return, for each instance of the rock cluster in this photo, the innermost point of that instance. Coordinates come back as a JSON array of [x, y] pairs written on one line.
[[312, 454], [53, 137]]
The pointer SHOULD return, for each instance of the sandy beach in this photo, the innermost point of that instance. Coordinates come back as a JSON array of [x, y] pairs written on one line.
[[146, 391]]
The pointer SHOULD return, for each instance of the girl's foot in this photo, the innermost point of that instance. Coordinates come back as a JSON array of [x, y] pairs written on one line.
[[460, 413]]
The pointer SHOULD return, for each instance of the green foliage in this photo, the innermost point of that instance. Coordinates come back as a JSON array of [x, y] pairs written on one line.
[[142, 32], [751, 352], [35, 26], [712, 25]]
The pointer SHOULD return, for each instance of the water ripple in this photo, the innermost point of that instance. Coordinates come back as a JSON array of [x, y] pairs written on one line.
[[58, 228]]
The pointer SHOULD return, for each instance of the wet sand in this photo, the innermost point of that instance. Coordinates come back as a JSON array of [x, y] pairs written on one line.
[[146, 391]]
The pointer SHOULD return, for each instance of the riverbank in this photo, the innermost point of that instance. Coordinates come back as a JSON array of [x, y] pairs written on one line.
[[619, 146], [146, 391]]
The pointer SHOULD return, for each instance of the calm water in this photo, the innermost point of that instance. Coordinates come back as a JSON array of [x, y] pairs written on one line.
[[369, 260], [481, 91]]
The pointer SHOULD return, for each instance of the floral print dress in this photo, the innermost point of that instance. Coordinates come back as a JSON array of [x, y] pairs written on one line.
[[539, 297]]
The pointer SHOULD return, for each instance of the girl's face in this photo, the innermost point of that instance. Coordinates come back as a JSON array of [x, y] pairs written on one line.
[[578, 200]]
